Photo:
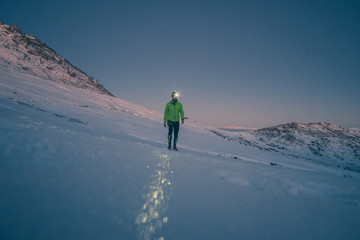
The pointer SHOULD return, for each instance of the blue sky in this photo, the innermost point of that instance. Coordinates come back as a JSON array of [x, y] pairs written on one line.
[[246, 63]]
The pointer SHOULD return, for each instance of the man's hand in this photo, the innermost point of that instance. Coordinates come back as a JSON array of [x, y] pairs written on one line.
[[182, 121], [164, 124]]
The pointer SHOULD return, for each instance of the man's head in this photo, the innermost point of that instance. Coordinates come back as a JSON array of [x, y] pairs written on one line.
[[175, 95]]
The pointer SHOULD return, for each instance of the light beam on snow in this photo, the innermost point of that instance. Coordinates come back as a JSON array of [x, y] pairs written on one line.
[[152, 214]]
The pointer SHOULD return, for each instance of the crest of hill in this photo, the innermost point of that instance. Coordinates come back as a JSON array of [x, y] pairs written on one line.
[[323, 142], [27, 54]]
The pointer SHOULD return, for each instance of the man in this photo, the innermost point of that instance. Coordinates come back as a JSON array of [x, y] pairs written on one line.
[[171, 117]]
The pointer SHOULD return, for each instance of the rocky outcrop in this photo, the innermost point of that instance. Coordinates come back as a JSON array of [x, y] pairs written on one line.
[[27, 54]]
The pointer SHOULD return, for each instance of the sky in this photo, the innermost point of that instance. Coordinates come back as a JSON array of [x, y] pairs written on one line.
[[240, 63]]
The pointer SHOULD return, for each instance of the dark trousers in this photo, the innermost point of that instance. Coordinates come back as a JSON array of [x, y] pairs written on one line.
[[173, 127]]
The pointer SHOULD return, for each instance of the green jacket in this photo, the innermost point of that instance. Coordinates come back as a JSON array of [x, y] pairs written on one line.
[[172, 111]]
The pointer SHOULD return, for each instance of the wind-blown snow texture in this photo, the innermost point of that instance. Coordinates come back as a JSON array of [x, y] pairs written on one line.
[[75, 164]]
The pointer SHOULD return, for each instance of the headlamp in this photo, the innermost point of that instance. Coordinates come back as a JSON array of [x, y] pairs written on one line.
[[176, 94]]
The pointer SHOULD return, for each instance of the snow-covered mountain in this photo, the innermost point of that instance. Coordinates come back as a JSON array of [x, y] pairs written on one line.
[[76, 164], [26, 54], [330, 144], [322, 142]]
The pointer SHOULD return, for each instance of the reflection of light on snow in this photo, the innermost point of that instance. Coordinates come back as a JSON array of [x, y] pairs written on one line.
[[151, 218]]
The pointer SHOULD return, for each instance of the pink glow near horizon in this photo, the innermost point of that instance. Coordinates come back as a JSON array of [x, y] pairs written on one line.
[[238, 127]]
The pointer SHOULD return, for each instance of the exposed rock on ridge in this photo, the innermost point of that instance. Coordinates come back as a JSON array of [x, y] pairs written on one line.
[[26, 54], [322, 142]]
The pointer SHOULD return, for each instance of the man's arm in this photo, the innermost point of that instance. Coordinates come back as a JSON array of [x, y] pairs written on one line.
[[165, 115], [182, 114]]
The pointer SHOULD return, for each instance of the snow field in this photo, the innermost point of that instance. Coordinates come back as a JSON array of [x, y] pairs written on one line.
[[77, 165]]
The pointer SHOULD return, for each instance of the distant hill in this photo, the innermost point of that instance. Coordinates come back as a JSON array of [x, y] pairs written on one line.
[[322, 142], [26, 54]]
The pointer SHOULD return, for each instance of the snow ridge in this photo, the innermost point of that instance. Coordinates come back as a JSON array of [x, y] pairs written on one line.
[[25, 53], [323, 142]]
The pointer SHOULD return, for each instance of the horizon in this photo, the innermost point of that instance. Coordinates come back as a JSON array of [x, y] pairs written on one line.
[[252, 65]]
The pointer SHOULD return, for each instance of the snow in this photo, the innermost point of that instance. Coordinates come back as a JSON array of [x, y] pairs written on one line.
[[80, 165], [323, 143], [25, 53]]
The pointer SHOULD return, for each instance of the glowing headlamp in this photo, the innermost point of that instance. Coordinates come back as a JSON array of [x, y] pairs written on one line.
[[176, 94]]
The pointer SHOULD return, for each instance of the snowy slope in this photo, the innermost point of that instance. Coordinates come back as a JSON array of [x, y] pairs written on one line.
[[324, 143], [79, 165], [27, 54]]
